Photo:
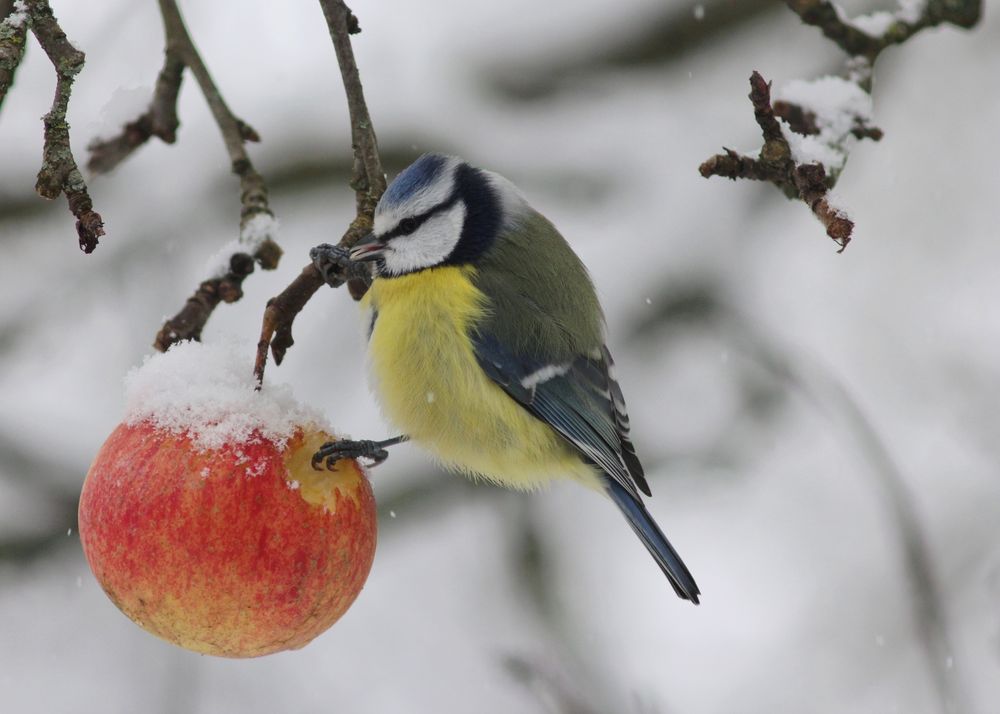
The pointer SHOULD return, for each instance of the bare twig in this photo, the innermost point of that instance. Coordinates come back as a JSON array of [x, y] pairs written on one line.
[[368, 182], [863, 39], [189, 322], [59, 172], [775, 164], [159, 120], [369, 176], [181, 52]]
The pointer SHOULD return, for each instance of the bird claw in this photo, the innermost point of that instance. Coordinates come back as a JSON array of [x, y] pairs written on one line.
[[333, 451], [335, 265]]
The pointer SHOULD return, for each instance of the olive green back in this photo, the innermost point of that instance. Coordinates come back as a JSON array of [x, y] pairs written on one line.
[[542, 301]]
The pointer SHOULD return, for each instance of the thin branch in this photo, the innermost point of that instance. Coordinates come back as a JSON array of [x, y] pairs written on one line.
[[59, 173], [159, 120], [369, 176], [368, 182], [256, 217], [863, 38], [900, 27], [776, 165], [13, 32], [188, 323], [235, 132]]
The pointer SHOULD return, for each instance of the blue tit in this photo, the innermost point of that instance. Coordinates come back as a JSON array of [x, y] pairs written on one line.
[[486, 345]]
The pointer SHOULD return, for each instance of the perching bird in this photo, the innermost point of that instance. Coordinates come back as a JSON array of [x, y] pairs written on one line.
[[486, 344]]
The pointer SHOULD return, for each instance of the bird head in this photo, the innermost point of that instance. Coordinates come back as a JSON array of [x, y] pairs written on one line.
[[438, 211]]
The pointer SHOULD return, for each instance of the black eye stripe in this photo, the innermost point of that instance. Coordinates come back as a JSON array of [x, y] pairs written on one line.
[[411, 223]]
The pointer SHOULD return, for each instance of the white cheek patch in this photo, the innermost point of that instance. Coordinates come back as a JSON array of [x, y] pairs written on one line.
[[429, 245], [387, 216]]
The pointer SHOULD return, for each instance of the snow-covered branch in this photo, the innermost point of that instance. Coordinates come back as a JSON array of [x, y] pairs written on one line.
[[258, 228], [159, 120], [867, 35], [811, 127]]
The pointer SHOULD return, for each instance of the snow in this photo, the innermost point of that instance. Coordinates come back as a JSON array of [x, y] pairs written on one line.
[[911, 10], [18, 15], [839, 106], [124, 105], [874, 24], [208, 392], [259, 228], [750, 482]]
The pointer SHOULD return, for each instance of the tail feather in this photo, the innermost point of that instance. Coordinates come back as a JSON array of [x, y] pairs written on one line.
[[654, 540]]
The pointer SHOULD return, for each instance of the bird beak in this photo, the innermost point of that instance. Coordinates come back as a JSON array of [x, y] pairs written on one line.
[[368, 248]]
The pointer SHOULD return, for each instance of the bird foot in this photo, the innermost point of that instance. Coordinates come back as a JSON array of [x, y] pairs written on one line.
[[333, 451], [335, 265]]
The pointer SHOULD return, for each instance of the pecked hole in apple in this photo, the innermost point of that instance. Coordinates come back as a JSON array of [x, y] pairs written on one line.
[[203, 519]]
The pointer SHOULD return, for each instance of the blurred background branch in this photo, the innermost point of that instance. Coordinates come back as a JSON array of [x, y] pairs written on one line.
[[866, 36], [702, 308]]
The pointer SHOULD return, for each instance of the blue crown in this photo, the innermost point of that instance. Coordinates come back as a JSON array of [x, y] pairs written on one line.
[[415, 177]]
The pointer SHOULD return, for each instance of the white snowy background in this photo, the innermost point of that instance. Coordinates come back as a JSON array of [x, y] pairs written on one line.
[[767, 376]]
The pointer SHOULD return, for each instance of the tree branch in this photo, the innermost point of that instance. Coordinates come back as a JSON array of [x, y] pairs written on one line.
[[59, 172], [776, 165], [159, 120], [13, 32], [885, 28], [368, 182], [811, 173], [257, 225]]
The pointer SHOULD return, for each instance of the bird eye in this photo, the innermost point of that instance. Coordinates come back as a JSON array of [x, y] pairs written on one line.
[[407, 225]]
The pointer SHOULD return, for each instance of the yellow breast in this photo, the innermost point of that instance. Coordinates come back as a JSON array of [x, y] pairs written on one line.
[[425, 374]]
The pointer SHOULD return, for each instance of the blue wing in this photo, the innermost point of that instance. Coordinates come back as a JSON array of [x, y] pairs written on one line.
[[582, 401], [579, 399]]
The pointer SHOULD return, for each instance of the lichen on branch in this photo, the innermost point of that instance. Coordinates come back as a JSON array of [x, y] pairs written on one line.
[[13, 33], [59, 173]]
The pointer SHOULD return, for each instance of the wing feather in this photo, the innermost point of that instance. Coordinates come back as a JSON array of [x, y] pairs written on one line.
[[579, 399]]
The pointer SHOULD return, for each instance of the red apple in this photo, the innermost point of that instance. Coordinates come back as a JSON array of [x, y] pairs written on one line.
[[236, 551]]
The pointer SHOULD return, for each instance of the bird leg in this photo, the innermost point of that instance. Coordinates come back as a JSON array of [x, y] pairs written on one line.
[[333, 451], [335, 265]]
